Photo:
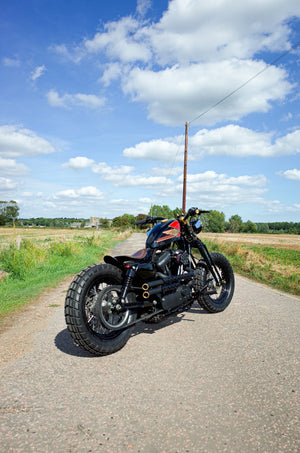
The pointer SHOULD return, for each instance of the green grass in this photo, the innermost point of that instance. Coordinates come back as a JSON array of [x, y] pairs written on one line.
[[278, 268], [35, 266]]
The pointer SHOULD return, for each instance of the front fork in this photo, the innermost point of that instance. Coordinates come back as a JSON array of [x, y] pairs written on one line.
[[208, 260]]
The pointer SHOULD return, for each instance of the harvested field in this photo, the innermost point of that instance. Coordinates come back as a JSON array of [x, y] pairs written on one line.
[[280, 241], [40, 235]]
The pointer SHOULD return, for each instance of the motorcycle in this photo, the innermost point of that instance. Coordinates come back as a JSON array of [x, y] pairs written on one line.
[[175, 269]]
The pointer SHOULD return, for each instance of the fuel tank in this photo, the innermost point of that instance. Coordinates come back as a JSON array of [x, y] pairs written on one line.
[[163, 234]]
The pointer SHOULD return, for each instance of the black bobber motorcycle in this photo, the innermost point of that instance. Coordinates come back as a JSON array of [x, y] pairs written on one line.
[[175, 269]]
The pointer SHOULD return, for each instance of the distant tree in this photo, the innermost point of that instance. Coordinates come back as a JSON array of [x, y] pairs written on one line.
[[130, 219], [249, 227], [125, 221], [104, 223], [262, 228], [118, 222], [235, 223], [9, 212], [216, 222], [161, 211], [176, 212]]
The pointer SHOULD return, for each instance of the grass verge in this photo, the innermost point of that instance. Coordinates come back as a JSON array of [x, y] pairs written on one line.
[[33, 267], [278, 268]]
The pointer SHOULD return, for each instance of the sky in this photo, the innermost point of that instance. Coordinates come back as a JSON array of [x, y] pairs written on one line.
[[95, 95]]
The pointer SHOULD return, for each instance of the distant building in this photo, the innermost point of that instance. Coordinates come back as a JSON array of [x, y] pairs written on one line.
[[93, 223], [75, 225]]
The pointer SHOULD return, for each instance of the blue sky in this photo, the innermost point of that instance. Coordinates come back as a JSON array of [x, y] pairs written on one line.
[[95, 95]]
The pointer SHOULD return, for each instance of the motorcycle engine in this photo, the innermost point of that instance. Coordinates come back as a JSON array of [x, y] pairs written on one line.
[[162, 261], [169, 261]]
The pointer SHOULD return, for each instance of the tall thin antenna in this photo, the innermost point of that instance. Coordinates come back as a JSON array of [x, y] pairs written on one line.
[[185, 167]]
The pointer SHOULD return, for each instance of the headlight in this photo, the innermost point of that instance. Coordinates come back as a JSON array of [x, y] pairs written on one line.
[[197, 225]]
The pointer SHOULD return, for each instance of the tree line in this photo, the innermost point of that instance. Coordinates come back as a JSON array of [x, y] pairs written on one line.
[[214, 221], [59, 222]]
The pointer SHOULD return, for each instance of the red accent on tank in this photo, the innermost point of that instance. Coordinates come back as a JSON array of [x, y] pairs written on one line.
[[174, 232], [175, 224]]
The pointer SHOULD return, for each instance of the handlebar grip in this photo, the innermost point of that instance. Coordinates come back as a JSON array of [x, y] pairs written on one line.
[[149, 220], [194, 211]]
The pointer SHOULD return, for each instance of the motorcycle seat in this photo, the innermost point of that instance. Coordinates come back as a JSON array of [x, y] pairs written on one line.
[[137, 256]]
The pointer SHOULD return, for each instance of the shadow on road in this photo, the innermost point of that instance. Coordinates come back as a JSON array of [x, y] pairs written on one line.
[[63, 340], [150, 328]]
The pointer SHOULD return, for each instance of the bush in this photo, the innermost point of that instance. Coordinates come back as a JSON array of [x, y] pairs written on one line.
[[20, 261], [64, 248]]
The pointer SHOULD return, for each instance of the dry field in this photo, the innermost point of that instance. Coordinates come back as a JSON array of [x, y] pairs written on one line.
[[40, 235], [279, 241]]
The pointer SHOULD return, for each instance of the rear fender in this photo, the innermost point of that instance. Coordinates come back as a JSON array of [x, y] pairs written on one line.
[[112, 260]]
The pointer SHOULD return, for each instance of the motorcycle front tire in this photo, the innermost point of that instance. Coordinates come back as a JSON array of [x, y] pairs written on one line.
[[215, 303]]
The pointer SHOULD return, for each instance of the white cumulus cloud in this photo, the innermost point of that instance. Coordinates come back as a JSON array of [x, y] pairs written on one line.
[[177, 94], [112, 174], [38, 72], [164, 150], [88, 192], [78, 163], [219, 191], [113, 71], [122, 176], [196, 54], [120, 40], [90, 101], [9, 167], [292, 174], [231, 140], [6, 184], [191, 30], [16, 141]]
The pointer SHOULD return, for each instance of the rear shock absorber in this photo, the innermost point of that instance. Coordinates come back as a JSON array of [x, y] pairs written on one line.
[[131, 271]]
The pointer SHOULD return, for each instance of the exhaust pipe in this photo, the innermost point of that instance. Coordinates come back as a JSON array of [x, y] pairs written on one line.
[[151, 292], [168, 284], [148, 285]]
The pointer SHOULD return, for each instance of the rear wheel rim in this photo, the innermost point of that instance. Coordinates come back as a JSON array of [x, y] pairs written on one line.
[[92, 321], [106, 308]]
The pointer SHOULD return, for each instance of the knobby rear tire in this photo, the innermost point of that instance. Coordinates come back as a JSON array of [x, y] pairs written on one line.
[[85, 329], [220, 301]]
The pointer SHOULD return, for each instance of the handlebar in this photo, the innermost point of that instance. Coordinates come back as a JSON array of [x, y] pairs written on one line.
[[191, 212], [149, 220], [194, 211]]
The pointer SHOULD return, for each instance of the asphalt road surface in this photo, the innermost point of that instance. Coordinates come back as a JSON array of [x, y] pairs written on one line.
[[197, 382]]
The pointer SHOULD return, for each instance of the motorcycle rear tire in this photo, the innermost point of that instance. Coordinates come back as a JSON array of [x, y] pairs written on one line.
[[218, 302], [86, 330]]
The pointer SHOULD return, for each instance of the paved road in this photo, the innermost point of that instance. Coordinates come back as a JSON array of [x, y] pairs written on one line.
[[198, 382]]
